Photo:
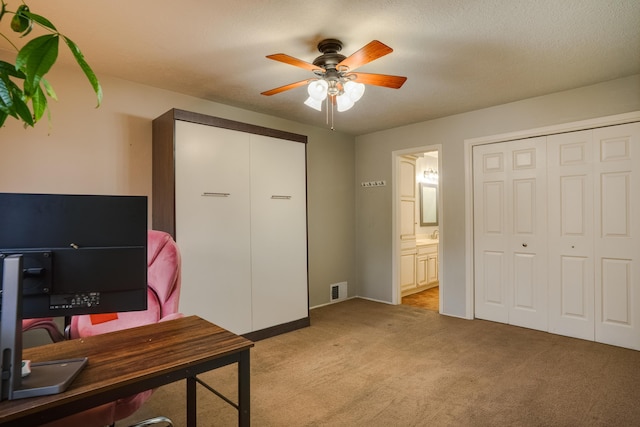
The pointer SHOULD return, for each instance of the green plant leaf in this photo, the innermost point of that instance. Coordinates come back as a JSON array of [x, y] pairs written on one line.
[[85, 68], [35, 60], [40, 20], [7, 69], [49, 89], [39, 103], [21, 23], [22, 109], [5, 93], [23, 84]]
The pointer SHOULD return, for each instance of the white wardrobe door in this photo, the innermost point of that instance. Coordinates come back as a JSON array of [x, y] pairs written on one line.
[[278, 231], [617, 239], [213, 224]]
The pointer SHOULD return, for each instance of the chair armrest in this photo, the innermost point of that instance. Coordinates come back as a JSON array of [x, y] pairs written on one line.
[[47, 324]]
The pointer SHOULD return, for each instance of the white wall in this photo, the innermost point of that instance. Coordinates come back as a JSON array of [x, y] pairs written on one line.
[[373, 161], [108, 151]]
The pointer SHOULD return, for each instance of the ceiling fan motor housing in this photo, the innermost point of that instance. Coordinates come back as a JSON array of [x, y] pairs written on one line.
[[330, 57]]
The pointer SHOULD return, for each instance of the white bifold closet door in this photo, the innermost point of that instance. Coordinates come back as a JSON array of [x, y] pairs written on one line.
[[557, 233], [571, 234], [510, 233], [594, 242]]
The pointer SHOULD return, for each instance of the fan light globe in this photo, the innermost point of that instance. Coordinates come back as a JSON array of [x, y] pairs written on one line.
[[318, 90], [354, 90], [314, 103], [344, 102]]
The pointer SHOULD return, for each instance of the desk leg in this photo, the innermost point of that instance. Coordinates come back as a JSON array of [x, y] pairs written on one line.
[[191, 402], [244, 387]]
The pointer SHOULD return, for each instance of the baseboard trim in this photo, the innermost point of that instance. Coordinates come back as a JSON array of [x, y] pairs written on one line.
[[332, 302], [278, 329], [377, 300]]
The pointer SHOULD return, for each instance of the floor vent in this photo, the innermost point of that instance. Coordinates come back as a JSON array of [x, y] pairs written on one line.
[[338, 291]]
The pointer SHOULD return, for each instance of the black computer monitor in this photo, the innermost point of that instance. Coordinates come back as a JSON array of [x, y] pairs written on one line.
[[65, 255]]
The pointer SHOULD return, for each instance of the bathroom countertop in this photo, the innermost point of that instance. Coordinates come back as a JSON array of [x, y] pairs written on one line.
[[423, 242]]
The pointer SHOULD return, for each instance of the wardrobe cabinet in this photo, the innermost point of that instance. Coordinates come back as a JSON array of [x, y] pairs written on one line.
[[234, 198]]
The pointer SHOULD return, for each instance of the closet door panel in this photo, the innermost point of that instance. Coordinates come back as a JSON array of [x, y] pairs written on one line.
[[510, 232], [526, 183], [574, 302], [490, 233], [493, 286], [278, 231], [212, 224], [570, 187], [617, 240]]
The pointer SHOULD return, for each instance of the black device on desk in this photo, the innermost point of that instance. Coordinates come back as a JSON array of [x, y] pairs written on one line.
[[64, 255]]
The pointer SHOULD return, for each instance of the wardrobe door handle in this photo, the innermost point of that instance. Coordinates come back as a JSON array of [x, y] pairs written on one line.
[[216, 194]]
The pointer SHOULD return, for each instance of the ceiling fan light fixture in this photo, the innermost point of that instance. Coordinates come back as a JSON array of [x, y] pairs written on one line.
[[334, 80], [354, 90], [344, 102], [316, 104], [317, 89]]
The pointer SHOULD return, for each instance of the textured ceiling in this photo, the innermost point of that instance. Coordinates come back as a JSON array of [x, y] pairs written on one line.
[[458, 55]]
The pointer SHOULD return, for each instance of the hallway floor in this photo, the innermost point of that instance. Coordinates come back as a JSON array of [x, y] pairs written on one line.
[[428, 299]]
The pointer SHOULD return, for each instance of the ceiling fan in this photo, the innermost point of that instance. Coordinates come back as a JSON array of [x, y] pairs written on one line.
[[335, 77]]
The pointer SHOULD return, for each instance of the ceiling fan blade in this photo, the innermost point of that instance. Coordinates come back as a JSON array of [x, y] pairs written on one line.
[[293, 61], [285, 87], [368, 53], [385, 80]]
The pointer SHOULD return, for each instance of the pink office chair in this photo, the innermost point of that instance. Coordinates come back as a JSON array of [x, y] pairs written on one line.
[[45, 323], [163, 277]]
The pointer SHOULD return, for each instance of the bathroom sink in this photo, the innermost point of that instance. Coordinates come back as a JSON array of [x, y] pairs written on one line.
[[421, 242]]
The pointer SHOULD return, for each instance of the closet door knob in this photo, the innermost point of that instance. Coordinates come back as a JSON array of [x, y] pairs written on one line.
[[524, 245]]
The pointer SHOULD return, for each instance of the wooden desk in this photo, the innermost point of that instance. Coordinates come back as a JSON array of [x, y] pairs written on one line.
[[127, 362]]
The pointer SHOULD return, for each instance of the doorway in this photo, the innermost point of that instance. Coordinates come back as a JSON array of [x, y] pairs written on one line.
[[417, 227]]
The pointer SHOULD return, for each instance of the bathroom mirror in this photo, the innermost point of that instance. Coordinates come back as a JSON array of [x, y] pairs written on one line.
[[428, 204]]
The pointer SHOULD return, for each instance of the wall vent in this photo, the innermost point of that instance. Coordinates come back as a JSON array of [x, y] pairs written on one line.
[[338, 291]]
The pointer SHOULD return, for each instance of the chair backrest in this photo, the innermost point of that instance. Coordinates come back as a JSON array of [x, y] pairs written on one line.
[[163, 274], [163, 292]]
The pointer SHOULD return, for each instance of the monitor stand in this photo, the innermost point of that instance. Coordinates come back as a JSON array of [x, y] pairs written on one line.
[[46, 377]]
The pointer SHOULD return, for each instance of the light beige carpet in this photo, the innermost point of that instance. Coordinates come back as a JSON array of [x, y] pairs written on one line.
[[362, 363]]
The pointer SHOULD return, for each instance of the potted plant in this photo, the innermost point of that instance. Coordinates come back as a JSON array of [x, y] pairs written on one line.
[[23, 86]]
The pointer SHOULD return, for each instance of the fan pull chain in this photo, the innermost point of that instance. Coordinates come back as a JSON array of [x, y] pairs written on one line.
[[331, 116], [327, 109]]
